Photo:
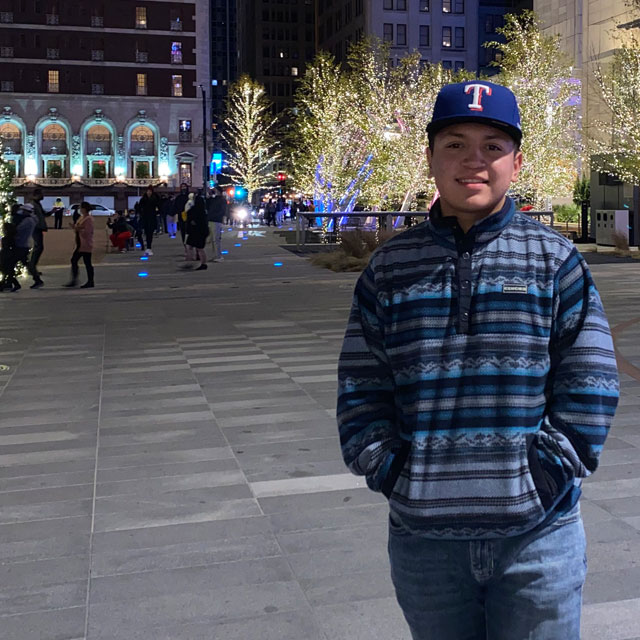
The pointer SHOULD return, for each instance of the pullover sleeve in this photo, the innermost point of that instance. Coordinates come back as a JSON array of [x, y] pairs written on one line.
[[583, 388], [366, 409]]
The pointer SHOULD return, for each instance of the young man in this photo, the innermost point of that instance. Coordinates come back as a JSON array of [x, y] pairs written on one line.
[[38, 238], [477, 384]]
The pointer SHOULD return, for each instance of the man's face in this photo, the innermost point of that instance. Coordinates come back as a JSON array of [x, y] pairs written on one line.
[[473, 166]]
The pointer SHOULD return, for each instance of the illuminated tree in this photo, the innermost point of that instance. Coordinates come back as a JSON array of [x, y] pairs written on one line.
[[248, 134], [534, 67], [362, 129], [6, 192], [616, 141]]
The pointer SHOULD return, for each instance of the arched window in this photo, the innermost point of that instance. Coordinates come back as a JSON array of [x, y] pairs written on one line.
[[11, 138], [142, 152], [98, 139], [54, 139]]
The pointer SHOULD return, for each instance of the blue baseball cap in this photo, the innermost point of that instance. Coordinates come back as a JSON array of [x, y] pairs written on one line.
[[476, 101]]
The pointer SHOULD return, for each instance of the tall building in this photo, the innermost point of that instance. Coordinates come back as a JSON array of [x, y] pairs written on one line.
[[99, 97], [447, 31], [276, 40], [590, 31], [224, 54]]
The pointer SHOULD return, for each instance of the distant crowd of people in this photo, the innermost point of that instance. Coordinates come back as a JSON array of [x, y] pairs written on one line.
[[198, 218]]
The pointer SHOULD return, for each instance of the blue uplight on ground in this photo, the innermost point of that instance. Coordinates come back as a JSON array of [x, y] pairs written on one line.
[[277, 264], [144, 257], [137, 245], [237, 245], [224, 253], [143, 274]]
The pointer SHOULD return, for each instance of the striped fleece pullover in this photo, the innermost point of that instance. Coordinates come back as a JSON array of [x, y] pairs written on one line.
[[477, 380]]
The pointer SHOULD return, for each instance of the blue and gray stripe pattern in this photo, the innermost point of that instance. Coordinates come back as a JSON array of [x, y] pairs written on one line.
[[477, 380]]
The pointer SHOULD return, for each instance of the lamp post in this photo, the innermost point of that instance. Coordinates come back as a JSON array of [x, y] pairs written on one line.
[[204, 140]]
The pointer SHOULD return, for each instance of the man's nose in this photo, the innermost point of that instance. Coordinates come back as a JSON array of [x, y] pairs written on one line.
[[473, 155]]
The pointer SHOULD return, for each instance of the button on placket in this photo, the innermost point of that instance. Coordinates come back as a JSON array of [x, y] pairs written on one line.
[[464, 291]]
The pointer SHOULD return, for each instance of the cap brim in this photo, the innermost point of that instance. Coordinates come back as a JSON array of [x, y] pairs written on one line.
[[439, 125]]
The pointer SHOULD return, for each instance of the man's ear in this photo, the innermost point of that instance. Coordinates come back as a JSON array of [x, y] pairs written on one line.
[[429, 158], [517, 165]]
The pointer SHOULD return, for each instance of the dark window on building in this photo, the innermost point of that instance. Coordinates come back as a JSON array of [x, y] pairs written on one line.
[[459, 41], [401, 5], [459, 66], [387, 32], [424, 5], [387, 5], [359, 7], [401, 35], [446, 64], [446, 36], [265, 15], [458, 6], [424, 35]]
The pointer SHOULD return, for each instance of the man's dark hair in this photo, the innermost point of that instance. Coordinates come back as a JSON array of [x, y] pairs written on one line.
[[37, 192], [86, 205]]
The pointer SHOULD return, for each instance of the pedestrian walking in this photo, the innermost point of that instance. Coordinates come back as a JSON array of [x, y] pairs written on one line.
[[38, 238], [149, 204], [197, 230], [83, 229], [477, 385], [169, 216], [216, 214], [58, 212], [179, 204], [17, 236], [270, 211]]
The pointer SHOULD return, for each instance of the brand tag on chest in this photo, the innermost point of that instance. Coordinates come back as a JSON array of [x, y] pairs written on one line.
[[514, 288]]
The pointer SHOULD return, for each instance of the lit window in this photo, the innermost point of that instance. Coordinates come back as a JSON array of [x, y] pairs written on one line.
[[176, 86], [176, 53], [141, 84], [53, 81], [184, 130], [294, 71], [141, 17], [446, 36]]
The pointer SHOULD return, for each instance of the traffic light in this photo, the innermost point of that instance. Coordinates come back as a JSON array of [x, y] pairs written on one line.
[[282, 176], [231, 192]]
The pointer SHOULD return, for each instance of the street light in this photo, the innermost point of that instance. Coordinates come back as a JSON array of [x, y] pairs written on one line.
[[204, 140]]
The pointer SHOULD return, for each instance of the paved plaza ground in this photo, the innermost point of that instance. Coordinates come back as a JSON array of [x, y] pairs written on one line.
[[169, 461]]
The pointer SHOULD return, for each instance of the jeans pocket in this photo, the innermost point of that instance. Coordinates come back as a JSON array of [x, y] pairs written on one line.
[[396, 528], [573, 515]]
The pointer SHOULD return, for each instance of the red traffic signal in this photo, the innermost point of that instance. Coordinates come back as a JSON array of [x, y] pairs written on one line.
[[282, 176]]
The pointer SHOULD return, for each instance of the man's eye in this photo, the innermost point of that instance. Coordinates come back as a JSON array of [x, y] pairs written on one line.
[[494, 147], [454, 145]]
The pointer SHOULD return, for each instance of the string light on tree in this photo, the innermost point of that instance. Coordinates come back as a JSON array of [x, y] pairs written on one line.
[[248, 134], [539, 73]]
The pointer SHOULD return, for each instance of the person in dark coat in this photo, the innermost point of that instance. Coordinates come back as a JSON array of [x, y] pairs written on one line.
[[216, 214], [15, 244], [38, 237], [197, 230], [149, 206], [178, 209]]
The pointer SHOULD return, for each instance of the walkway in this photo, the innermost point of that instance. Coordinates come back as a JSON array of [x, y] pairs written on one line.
[[169, 465]]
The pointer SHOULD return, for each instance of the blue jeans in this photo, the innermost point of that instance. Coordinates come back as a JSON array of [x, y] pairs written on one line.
[[527, 587]]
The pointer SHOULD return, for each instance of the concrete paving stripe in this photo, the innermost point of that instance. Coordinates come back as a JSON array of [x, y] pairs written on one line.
[[236, 367], [142, 392], [138, 359], [611, 620], [314, 379], [168, 367], [313, 484], [271, 418], [195, 353], [204, 339], [309, 358], [328, 366], [242, 358], [255, 403]]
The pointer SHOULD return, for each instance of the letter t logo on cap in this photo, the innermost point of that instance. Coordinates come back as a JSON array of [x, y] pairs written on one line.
[[477, 95]]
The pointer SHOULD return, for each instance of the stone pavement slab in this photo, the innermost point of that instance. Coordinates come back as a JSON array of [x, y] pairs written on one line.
[[170, 469]]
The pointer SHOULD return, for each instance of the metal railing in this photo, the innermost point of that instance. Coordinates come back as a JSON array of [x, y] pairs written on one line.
[[385, 219]]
